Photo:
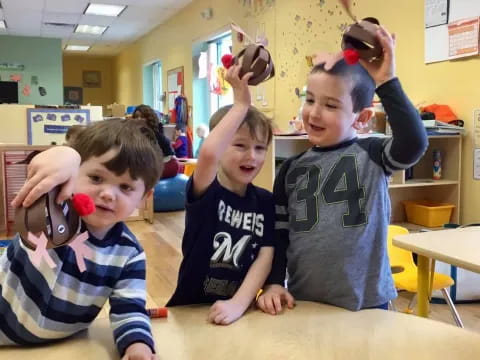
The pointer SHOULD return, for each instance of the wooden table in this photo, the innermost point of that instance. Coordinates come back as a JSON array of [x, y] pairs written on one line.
[[310, 331], [459, 247]]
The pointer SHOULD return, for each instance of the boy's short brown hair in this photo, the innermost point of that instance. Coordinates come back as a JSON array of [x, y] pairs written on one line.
[[256, 121], [73, 131], [138, 150]]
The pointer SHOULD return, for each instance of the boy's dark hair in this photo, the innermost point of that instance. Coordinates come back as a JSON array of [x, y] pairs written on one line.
[[73, 131], [256, 121], [138, 150], [363, 88]]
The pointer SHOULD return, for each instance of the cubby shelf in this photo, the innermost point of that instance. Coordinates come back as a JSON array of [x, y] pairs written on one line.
[[419, 187]]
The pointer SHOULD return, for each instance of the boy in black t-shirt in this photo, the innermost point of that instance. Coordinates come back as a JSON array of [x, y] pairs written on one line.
[[228, 241]]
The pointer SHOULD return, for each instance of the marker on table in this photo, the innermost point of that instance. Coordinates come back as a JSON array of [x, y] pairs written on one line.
[[161, 312]]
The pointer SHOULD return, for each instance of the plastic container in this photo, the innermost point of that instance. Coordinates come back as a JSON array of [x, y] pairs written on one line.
[[428, 213]]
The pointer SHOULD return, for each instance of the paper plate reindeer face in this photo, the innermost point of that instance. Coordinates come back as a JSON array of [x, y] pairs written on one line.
[[255, 58], [59, 223], [362, 37]]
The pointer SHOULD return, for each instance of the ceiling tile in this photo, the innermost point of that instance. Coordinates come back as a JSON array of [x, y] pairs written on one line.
[[84, 36], [96, 20], [64, 18], [56, 31], [18, 5], [27, 18], [66, 6], [88, 42]]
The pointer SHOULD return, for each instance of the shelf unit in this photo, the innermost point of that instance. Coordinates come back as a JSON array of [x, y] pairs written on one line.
[[420, 187]]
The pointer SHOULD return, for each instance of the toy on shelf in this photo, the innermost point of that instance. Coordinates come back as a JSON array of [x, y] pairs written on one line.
[[359, 41], [46, 225]]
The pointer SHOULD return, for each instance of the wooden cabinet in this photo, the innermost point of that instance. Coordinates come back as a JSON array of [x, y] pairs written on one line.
[[420, 187]]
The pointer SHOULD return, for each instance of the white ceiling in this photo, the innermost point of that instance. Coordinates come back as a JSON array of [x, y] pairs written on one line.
[[29, 18]]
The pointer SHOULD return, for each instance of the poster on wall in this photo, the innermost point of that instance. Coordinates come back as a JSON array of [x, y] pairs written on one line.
[[436, 12], [72, 95], [463, 38], [174, 85], [458, 36], [45, 126]]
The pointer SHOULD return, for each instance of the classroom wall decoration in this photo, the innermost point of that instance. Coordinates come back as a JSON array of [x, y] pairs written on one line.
[[72, 95], [174, 85], [310, 31], [92, 78], [255, 6], [45, 126], [12, 66], [36, 62], [26, 82], [451, 29], [26, 91]]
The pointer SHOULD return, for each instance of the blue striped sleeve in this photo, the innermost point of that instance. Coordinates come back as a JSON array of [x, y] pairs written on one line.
[[128, 315]]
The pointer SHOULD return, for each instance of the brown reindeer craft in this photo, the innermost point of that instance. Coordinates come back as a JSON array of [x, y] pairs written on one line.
[[46, 225], [254, 58], [359, 41]]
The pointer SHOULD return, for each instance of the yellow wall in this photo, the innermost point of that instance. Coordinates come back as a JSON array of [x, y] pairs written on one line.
[[300, 28], [171, 43], [74, 65]]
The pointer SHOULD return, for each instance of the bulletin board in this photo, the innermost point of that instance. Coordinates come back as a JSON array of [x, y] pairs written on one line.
[[47, 125], [451, 29], [174, 85]]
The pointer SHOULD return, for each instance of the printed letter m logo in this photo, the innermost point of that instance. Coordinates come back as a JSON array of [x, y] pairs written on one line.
[[224, 252]]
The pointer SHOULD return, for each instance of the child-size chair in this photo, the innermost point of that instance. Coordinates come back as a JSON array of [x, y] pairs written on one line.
[[408, 278]]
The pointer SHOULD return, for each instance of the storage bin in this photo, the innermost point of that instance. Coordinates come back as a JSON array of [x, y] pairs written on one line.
[[428, 213]]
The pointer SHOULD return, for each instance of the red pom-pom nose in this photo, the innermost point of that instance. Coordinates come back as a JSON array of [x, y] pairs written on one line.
[[227, 60], [83, 204], [351, 56]]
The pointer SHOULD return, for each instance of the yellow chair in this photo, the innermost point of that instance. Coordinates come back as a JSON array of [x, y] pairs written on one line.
[[189, 168], [408, 278]]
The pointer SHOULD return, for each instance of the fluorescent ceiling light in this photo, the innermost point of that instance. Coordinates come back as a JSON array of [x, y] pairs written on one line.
[[77, 48], [90, 29], [104, 9], [3, 24]]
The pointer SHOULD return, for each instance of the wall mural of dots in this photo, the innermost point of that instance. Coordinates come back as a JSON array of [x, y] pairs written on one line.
[[315, 26], [256, 7]]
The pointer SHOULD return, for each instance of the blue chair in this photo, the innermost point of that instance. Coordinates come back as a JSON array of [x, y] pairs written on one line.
[[130, 110], [170, 194]]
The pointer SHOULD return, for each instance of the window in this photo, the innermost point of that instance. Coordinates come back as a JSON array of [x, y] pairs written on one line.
[[152, 85], [216, 49], [157, 86]]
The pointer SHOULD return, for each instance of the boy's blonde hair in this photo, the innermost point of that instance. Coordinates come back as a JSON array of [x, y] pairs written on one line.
[[138, 150], [256, 121], [202, 131]]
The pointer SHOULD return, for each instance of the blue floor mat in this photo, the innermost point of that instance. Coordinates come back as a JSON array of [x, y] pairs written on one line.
[[3, 245]]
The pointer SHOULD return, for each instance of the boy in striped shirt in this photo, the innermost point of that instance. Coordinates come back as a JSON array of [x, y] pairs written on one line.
[[116, 163]]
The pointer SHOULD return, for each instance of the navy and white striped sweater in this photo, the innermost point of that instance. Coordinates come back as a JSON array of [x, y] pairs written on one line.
[[39, 305]]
